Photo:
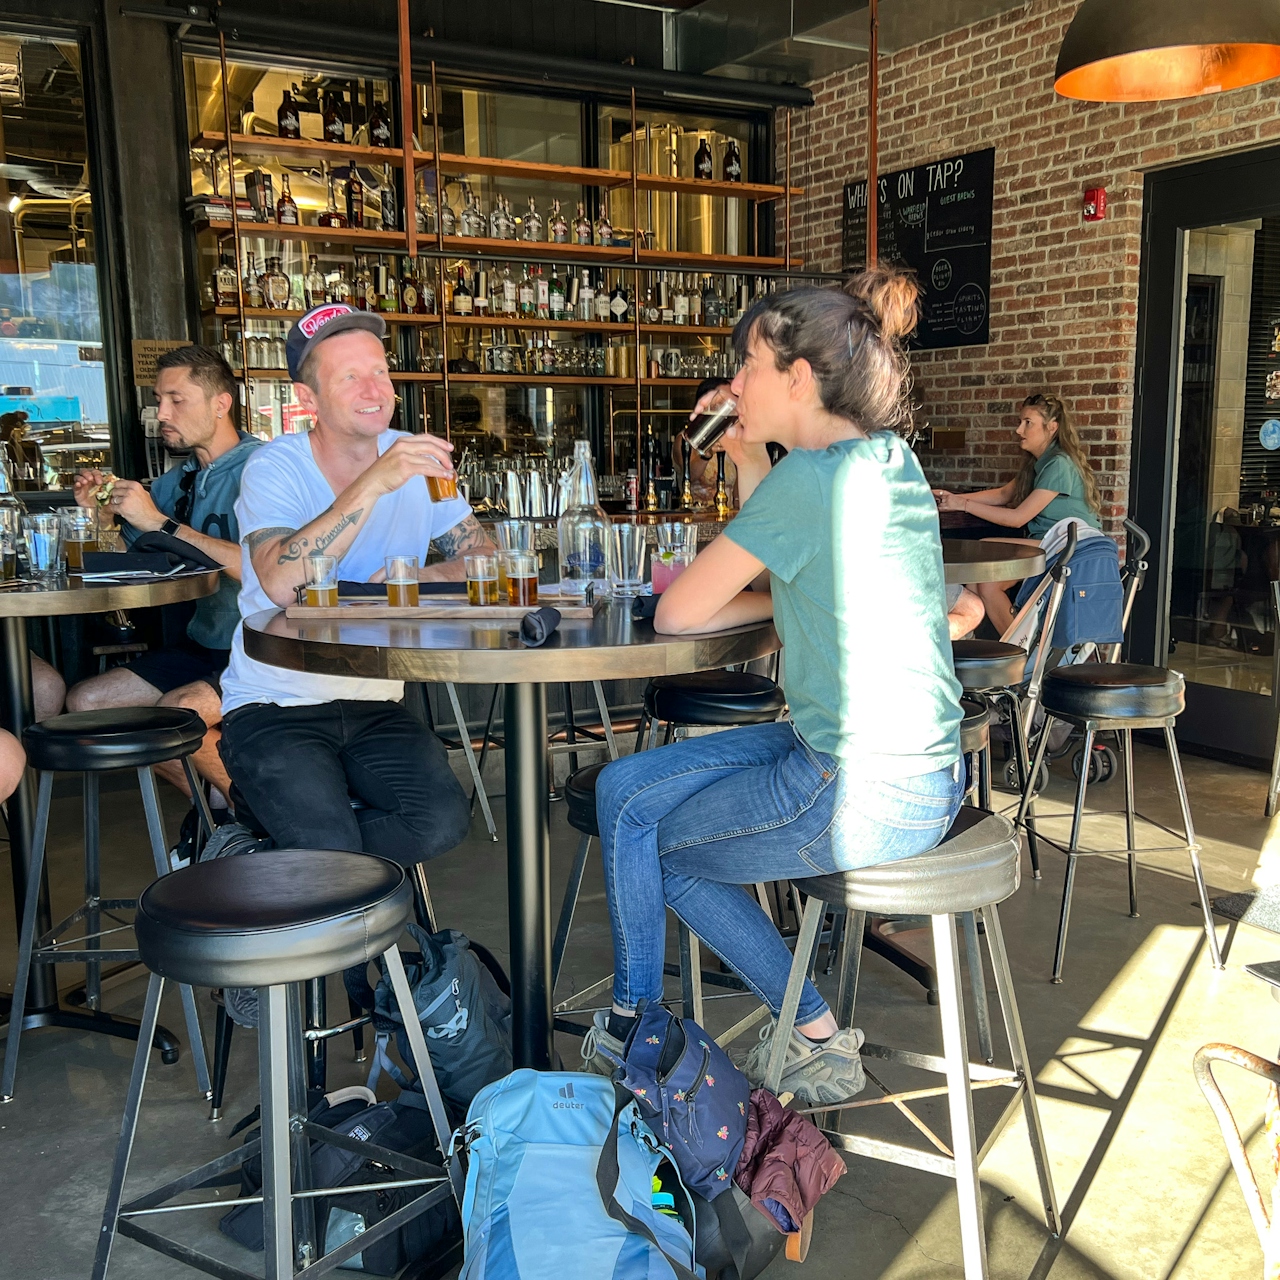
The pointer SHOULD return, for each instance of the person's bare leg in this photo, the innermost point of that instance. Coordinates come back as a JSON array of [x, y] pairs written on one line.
[[206, 703], [13, 760], [49, 687], [997, 604], [118, 687]]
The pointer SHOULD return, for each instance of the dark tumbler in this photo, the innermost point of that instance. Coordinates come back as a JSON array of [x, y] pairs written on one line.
[[703, 432]]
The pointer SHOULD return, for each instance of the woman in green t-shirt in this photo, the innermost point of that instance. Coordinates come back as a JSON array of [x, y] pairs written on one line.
[[839, 545], [1056, 482]]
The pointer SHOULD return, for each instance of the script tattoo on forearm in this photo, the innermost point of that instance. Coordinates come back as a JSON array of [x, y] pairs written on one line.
[[324, 540], [462, 538], [262, 536]]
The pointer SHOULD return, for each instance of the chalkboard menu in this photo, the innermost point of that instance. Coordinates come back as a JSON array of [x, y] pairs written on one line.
[[936, 220]]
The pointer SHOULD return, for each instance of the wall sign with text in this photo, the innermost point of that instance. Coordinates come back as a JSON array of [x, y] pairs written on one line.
[[936, 220]]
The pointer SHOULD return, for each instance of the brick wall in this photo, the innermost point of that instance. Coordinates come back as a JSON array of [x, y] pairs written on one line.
[[1064, 292]]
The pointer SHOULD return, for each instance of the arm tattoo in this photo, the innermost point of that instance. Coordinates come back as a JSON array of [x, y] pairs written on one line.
[[324, 540], [262, 536], [293, 551], [462, 538]]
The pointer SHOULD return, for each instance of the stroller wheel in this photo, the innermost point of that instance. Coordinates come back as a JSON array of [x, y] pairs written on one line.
[[1011, 777], [1102, 763]]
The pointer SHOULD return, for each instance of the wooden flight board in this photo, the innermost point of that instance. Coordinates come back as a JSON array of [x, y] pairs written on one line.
[[372, 608]]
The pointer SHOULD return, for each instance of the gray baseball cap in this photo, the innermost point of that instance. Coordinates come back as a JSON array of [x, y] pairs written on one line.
[[323, 322]]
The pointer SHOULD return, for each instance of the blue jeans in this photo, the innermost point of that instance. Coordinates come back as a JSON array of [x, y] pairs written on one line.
[[689, 824]]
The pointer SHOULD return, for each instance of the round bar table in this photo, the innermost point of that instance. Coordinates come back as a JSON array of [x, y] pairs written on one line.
[[62, 596], [966, 560], [608, 647]]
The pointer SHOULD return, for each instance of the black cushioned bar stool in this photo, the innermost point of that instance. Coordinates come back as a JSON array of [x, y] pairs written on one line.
[[1120, 697], [275, 920], [91, 743], [708, 699], [974, 868]]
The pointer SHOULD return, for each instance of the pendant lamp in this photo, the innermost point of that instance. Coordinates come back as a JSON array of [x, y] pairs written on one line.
[[1149, 50]]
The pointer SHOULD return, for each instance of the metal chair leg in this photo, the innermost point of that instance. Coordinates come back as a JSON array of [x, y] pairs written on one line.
[[160, 854], [26, 940], [572, 889], [303, 1208], [422, 898], [984, 777], [1068, 885], [357, 1033], [200, 800], [955, 1049], [1130, 841], [653, 734], [92, 890], [691, 975], [273, 1088], [224, 1029], [855, 926], [128, 1126], [1193, 848], [814, 912], [317, 1053], [605, 722], [464, 736], [1026, 777], [1021, 1064], [978, 981]]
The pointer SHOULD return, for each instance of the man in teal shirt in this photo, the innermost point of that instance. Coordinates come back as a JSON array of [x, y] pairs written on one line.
[[196, 503]]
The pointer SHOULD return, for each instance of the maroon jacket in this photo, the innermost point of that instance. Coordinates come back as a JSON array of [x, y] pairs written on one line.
[[786, 1165]]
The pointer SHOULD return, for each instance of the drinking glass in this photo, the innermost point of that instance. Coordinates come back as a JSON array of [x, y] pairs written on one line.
[[442, 488], [79, 534], [402, 581], [677, 545], [322, 580], [626, 551], [520, 568], [43, 536], [512, 535], [482, 580]]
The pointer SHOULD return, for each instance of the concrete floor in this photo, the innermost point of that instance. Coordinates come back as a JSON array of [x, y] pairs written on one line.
[[1141, 1172]]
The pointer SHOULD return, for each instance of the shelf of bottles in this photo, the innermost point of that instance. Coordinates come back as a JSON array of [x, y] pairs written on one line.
[[548, 297]]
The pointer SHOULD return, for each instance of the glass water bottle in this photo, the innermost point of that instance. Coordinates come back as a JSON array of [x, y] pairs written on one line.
[[583, 529]]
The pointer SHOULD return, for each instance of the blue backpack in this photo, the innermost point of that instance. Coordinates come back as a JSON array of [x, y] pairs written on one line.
[[560, 1183], [1093, 603]]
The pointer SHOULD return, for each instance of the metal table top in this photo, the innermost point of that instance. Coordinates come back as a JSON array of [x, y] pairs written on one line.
[[966, 560], [71, 595]]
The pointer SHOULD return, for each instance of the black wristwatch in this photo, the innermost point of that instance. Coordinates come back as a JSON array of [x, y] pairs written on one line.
[[170, 526]]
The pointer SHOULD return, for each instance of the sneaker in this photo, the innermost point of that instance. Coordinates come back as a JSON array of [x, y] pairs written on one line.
[[242, 1005], [829, 1073], [597, 1044]]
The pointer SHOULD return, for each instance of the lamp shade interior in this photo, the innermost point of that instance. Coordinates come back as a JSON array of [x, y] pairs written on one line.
[[1181, 71]]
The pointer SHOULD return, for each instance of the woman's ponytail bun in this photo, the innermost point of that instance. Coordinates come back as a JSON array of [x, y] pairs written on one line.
[[893, 297]]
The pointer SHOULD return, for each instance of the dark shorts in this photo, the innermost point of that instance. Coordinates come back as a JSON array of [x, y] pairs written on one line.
[[169, 669]]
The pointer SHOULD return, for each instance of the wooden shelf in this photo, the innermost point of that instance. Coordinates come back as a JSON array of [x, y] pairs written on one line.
[[657, 258], [269, 313], [699, 187], [627, 328], [243, 144], [379, 241], [538, 380], [282, 375], [519, 250]]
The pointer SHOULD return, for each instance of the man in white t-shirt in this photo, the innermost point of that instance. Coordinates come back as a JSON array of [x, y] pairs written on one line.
[[298, 747]]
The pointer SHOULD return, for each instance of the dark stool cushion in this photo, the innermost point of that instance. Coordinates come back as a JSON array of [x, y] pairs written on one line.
[[580, 796], [116, 738], [714, 698], [975, 728], [988, 664], [1114, 690], [261, 919], [975, 866]]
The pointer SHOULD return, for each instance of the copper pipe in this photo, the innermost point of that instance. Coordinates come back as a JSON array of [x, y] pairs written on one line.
[[444, 311], [873, 136], [635, 257], [407, 131], [786, 252], [235, 220]]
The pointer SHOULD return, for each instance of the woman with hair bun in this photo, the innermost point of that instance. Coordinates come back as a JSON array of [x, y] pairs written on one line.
[[1056, 482], [839, 545]]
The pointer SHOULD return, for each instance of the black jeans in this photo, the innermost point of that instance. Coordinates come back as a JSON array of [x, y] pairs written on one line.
[[299, 768]]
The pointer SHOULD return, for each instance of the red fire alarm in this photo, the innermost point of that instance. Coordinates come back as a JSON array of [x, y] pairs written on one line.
[[1095, 204]]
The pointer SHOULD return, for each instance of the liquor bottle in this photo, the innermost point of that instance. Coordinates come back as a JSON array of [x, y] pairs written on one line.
[[649, 470], [448, 219], [744, 297], [695, 300], [680, 302], [703, 163], [506, 220], [732, 162], [618, 301], [286, 209], [495, 219], [355, 198], [583, 529], [288, 124], [555, 296], [541, 295], [582, 226], [586, 297], [313, 290], [361, 284], [604, 229], [387, 200], [557, 227], [224, 283], [335, 128], [630, 296], [527, 294], [480, 300], [275, 286], [507, 291], [424, 207], [247, 116], [462, 297], [252, 289], [389, 290], [379, 125], [340, 290], [426, 288], [471, 223], [331, 217], [408, 302], [649, 313], [601, 312], [532, 229], [666, 313]]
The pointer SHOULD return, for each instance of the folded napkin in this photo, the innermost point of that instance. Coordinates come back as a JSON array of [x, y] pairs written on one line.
[[178, 550], [130, 562], [346, 588], [644, 607], [539, 626]]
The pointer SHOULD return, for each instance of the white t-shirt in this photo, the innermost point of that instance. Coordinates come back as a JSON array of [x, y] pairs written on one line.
[[282, 487]]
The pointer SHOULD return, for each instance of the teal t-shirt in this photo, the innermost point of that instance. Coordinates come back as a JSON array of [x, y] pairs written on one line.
[[1054, 470], [850, 537]]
